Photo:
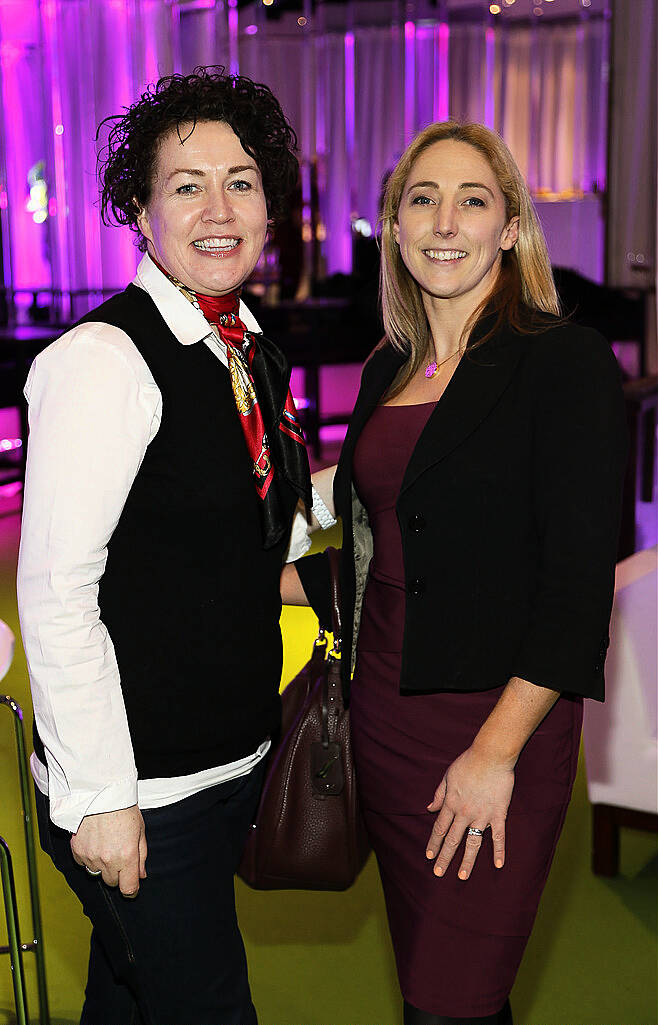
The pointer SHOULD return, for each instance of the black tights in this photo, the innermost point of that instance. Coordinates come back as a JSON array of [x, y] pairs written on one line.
[[412, 1016]]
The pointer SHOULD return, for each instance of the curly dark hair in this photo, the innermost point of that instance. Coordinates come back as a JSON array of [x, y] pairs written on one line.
[[126, 165]]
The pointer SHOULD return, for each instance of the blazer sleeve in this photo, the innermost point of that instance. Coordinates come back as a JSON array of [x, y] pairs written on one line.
[[316, 580], [579, 462]]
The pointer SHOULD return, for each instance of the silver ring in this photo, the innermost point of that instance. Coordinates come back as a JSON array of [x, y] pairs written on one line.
[[91, 871], [472, 831]]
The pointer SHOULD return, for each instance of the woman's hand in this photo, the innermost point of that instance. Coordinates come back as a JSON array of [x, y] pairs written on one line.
[[114, 844], [475, 792], [477, 788]]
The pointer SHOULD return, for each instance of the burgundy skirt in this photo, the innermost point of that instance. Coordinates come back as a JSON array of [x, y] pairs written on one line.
[[458, 944]]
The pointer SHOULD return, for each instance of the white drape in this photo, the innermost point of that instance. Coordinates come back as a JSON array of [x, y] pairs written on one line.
[[632, 210]]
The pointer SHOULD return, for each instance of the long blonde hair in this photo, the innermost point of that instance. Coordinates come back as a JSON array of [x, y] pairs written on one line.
[[525, 278]]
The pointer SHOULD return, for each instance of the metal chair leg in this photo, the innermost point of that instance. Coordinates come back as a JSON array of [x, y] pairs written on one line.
[[37, 943], [13, 934]]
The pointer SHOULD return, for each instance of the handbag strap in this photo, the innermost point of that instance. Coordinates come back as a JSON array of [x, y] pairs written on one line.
[[331, 685], [334, 573]]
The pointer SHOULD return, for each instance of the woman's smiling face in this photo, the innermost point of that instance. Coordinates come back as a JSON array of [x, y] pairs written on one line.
[[206, 219], [452, 225]]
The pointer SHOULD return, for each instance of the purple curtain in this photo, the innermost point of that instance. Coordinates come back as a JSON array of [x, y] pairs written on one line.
[[353, 91]]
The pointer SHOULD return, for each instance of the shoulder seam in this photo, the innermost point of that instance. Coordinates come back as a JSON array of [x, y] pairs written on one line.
[[90, 333]]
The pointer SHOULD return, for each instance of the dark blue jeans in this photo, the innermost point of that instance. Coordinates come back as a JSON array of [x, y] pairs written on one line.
[[173, 955]]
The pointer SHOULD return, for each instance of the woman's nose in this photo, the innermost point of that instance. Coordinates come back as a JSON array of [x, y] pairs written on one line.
[[218, 207], [445, 222]]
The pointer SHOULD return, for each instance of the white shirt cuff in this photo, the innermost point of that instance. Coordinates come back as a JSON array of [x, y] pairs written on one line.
[[68, 811], [300, 542]]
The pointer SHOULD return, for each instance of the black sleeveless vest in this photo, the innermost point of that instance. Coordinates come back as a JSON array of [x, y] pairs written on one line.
[[189, 595]]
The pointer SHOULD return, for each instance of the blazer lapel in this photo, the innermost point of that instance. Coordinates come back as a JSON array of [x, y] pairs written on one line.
[[475, 388], [377, 377]]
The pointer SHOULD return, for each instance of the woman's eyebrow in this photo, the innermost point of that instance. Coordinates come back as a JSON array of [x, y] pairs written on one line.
[[198, 173], [476, 185], [187, 170], [423, 185], [464, 185], [242, 167]]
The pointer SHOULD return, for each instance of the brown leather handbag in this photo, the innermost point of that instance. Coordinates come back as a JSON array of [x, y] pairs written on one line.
[[308, 833]]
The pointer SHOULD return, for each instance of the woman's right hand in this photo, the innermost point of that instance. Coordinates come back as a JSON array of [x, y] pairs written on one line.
[[113, 843]]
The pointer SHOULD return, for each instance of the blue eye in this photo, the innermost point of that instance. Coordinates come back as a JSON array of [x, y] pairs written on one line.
[[421, 201], [185, 190], [474, 200], [241, 185]]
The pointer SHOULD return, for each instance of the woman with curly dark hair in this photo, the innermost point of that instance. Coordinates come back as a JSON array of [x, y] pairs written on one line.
[[164, 466]]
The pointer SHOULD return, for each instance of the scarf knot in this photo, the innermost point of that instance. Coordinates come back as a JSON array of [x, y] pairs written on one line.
[[260, 376]]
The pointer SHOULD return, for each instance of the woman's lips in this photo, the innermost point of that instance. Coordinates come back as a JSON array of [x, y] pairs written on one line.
[[447, 256], [217, 247]]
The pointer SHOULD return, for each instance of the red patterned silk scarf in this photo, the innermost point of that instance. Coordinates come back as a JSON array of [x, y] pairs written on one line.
[[259, 378]]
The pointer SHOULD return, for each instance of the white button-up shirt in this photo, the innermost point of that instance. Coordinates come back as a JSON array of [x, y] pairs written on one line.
[[94, 407]]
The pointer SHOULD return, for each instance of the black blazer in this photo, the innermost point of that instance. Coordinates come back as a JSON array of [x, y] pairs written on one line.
[[509, 512]]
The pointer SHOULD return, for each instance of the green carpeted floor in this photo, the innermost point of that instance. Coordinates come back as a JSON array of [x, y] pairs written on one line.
[[325, 959]]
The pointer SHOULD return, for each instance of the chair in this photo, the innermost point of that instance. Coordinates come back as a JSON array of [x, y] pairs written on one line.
[[621, 736], [15, 948]]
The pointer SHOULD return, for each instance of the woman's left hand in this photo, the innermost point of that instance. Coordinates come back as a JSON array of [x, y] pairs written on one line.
[[475, 792]]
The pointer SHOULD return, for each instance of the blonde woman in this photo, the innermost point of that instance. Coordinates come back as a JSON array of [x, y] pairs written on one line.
[[479, 489]]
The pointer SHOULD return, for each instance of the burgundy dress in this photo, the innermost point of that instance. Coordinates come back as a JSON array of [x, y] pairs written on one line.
[[457, 943]]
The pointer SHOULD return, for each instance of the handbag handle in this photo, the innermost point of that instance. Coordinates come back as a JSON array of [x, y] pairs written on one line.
[[334, 574], [331, 683]]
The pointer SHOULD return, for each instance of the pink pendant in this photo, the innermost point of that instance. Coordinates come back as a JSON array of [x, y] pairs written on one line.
[[430, 369]]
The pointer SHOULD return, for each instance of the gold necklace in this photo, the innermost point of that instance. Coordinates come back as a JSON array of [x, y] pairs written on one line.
[[432, 368]]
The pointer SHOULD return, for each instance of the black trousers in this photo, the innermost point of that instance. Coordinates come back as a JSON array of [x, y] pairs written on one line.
[[174, 954]]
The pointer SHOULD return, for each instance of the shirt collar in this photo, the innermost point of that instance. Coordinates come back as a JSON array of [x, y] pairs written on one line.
[[186, 322]]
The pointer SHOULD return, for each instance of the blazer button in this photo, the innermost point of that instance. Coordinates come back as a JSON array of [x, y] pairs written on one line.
[[417, 523], [416, 588]]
